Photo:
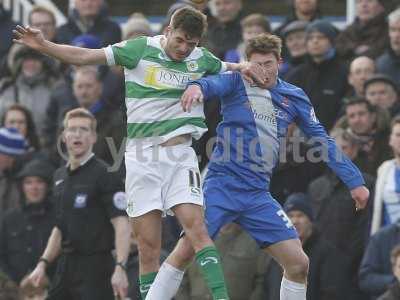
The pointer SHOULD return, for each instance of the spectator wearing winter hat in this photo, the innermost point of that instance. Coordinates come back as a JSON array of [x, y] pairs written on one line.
[[24, 231], [327, 279], [322, 76], [12, 145], [367, 35], [382, 91], [294, 38], [33, 77]]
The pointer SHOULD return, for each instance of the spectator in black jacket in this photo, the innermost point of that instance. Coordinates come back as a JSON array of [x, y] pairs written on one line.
[[336, 216], [322, 76], [89, 17], [376, 269], [24, 232], [327, 277], [224, 30]]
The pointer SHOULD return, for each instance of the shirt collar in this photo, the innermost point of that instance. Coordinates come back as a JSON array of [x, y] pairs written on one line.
[[84, 160]]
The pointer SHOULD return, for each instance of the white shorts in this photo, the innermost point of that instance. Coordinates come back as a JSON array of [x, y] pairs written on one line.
[[158, 178]]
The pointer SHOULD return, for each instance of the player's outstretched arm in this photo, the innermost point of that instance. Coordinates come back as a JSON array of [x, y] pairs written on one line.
[[34, 39]]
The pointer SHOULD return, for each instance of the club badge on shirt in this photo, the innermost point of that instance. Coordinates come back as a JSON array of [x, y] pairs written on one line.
[[119, 200], [80, 201]]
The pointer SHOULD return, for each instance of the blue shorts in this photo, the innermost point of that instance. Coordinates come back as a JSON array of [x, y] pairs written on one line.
[[229, 200]]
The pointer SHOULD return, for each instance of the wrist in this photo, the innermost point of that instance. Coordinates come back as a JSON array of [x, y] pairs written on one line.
[[43, 262], [121, 266]]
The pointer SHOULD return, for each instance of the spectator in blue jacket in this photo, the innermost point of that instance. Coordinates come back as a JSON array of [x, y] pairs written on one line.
[[376, 274]]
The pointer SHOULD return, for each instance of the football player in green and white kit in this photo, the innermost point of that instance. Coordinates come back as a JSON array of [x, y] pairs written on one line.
[[161, 168]]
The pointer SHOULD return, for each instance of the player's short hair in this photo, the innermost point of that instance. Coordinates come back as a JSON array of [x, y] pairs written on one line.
[[395, 254], [360, 101], [189, 20], [41, 9], [80, 113], [256, 20], [264, 43]]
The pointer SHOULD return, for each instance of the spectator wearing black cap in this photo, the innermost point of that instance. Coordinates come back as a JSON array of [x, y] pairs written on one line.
[[335, 214], [294, 38], [24, 232], [389, 62], [12, 146], [322, 76], [33, 77], [89, 17], [367, 35], [327, 279], [382, 91]]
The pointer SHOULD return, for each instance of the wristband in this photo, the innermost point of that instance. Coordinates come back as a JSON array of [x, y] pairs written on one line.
[[122, 265], [46, 262]]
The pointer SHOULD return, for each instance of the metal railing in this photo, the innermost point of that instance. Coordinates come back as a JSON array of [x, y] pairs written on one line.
[[20, 10]]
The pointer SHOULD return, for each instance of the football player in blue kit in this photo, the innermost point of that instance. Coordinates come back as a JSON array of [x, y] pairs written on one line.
[[236, 187]]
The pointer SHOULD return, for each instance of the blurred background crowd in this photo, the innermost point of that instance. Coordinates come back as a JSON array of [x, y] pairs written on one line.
[[351, 74]]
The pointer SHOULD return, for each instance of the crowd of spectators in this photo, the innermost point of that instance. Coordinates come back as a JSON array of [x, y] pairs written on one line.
[[352, 77]]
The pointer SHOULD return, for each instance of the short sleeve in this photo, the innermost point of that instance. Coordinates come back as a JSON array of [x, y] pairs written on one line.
[[112, 195], [126, 53], [214, 64]]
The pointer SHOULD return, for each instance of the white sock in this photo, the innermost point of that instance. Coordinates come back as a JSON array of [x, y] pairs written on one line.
[[292, 290], [166, 283]]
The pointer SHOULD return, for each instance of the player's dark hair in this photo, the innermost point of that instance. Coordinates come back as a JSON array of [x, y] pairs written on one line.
[[189, 20], [264, 43], [360, 101]]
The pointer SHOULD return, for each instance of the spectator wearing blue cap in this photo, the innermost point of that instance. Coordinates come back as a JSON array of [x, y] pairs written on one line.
[[12, 145], [89, 17], [322, 76], [327, 278]]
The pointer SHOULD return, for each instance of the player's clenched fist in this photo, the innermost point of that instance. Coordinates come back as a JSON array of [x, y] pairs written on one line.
[[360, 195]]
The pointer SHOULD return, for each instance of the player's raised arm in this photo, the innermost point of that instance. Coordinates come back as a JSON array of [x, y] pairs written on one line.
[[34, 39]]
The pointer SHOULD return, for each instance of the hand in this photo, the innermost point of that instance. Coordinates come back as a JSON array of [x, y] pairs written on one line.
[[360, 195], [28, 36], [192, 94], [119, 282], [38, 275], [252, 73]]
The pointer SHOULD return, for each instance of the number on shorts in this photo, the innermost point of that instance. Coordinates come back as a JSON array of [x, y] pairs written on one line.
[[285, 218], [194, 182]]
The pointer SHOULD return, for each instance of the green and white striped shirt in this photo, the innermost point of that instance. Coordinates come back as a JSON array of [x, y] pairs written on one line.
[[153, 87]]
